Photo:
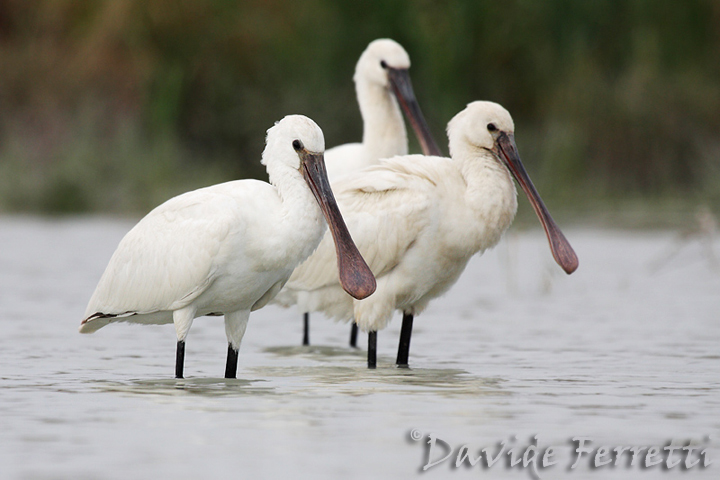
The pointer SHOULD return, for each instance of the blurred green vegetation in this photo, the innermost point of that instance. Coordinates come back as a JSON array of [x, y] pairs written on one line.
[[116, 105]]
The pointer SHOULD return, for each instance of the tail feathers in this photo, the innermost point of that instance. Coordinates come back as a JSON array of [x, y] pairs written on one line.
[[98, 320]]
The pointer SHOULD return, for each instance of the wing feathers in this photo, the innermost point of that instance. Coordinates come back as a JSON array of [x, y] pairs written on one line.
[[386, 208], [166, 260]]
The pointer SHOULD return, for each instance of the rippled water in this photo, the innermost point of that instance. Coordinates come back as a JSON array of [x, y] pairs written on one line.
[[625, 352]]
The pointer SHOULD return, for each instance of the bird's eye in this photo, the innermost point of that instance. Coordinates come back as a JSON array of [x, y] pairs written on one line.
[[491, 127], [297, 145], [383, 64]]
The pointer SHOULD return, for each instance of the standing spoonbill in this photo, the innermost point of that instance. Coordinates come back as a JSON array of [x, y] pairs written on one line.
[[383, 87], [228, 249], [418, 220]]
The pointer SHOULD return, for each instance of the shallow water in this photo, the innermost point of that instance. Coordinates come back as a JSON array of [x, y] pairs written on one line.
[[625, 352]]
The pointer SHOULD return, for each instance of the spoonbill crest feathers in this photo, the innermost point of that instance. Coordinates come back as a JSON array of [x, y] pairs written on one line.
[[280, 138]]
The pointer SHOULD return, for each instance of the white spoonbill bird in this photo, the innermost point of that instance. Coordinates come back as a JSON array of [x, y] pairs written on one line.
[[228, 249], [383, 87], [418, 220]]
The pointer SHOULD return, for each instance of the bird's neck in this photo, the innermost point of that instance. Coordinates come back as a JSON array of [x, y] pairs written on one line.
[[490, 195], [384, 133], [299, 210]]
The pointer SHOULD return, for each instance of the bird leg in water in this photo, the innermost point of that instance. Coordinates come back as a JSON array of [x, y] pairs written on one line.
[[404, 346], [232, 361], [306, 328], [372, 349], [353, 335], [179, 359]]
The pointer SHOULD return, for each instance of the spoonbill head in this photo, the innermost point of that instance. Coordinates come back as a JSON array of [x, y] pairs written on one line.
[[498, 137], [387, 63], [379, 57], [279, 143], [308, 144], [384, 90], [229, 248]]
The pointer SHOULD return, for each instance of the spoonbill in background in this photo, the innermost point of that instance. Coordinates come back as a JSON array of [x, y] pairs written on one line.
[[228, 249], [418, 220], [383, 87]]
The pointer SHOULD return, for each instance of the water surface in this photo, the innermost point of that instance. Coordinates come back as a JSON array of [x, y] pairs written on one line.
[[624, 352]]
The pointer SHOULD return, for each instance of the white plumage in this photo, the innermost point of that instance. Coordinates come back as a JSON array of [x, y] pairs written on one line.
[[225, 249], [381, 79], [418, 220]]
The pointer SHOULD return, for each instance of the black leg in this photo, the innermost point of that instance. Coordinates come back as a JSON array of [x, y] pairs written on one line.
[[306, 328], [353, 335], [404, 346], [179, 359], [372, 349], [231, 365]]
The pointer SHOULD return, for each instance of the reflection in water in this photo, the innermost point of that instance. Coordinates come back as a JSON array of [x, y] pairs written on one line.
[[360, 380], [318, 352], [208, 387], [442, 381], [347, 380]]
